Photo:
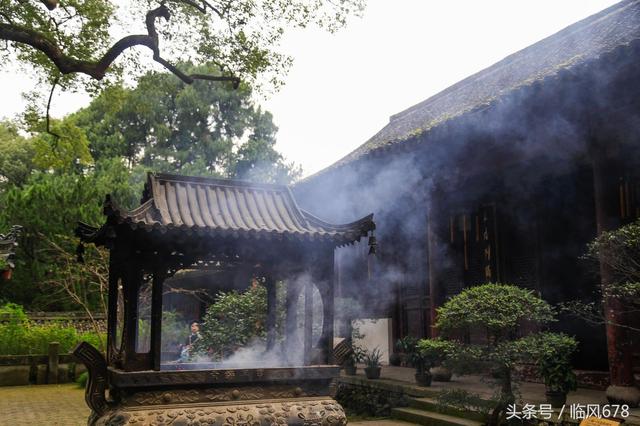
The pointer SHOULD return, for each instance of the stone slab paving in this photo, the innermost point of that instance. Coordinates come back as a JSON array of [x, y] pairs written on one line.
[[63, 405], [59, 405]]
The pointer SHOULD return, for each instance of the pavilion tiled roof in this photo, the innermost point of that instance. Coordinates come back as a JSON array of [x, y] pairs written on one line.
[[227, 207], [589, 39]]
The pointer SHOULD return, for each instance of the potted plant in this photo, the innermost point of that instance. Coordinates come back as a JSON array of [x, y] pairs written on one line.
[[433, 353], [350, 364], [395, 359], [407, 346], [372, 364], [552, 354]]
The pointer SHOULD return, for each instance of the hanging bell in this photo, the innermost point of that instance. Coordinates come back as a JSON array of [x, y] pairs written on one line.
[[373, 244]]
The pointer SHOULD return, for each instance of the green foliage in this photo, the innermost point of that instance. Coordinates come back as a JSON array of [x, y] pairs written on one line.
[[369, 400], [372, 358], [551, 352], [83, 379], [464, 400], [358, 354], [407, 344], [14, 313], [21, 337], [66, 153], [198, 129], [619, 250], [434, 352], [497, 308], [16, 154], [48, 206], [232, 321], [174, 330], [242, 37]]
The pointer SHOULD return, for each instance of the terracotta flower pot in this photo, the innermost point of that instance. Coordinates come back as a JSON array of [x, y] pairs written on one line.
[[440, 374], [423, 378], [372, 372]]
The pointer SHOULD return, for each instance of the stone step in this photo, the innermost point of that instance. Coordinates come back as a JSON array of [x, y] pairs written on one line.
[[429, 418], [431, 405]]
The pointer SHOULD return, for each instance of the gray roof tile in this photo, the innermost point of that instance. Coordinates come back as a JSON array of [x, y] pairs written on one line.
[[224, 206], [616, 26]]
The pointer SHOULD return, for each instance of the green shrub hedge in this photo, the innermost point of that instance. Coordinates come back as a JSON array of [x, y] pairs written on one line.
[[22, 337]]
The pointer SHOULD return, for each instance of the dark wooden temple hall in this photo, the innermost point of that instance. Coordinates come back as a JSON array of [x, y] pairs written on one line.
[[505, 176], [238, 228]]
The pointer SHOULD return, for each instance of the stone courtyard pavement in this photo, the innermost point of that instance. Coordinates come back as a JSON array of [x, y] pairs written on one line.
[[59, 405], [63, 405]]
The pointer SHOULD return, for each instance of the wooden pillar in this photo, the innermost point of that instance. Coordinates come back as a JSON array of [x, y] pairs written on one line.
[[271, 312], [112, 311], [327, 291], [131, 282], [433, 247], [308, 321], [619, 348], [159, 275]]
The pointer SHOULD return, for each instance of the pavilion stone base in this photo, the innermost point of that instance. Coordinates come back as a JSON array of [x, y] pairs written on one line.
[[317, 411]]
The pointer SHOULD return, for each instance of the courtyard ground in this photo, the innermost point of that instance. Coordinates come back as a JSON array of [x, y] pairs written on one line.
[[57, 405], [63, 405]]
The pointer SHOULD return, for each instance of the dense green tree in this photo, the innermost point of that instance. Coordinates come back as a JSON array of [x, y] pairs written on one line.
[[198, 129], [16, 154], [48, 206]]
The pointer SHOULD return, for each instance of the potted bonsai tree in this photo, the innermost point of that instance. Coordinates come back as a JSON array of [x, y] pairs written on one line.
[[434, 353], [350, 364], [552, 354], [372, 364], [499, 310]]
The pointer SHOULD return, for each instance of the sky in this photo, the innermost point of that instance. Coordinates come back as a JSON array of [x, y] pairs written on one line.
[[343, 87]]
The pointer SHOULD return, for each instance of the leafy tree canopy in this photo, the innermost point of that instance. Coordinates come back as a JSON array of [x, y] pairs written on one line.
[[16, 154], [198, 129], [95, 38], [48, 206], [498, 308]]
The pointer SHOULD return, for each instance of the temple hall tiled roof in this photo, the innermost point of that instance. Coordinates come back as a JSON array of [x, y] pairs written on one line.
[[227, 207], [589, 39]]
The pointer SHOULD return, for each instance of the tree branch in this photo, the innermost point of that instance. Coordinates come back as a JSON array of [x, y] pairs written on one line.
[[53, 86], [97, 69]]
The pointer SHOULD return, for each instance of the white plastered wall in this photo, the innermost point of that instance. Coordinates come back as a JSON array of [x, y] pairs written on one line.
[[376, 333]]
